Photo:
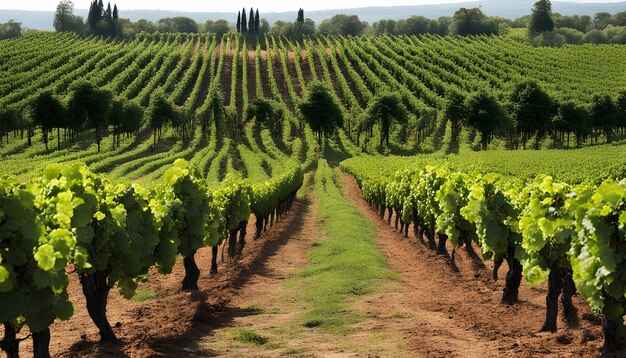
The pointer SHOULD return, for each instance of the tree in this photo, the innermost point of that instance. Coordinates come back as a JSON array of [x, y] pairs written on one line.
[[454, 111], [265, 27], [125, 116], [385, 109], [621, 109], [574, 118], [471, 22], [108, 14], [251, 21], [10, 30], [178, 24], [160, 111], [384, 27], [342, 25], [604, 115], [257, 22], [239, 21], [601, 20], [10, 119], [541, 18], [267, 113], [300, 17], [49, 113], [95, 15], [594, 37], [92, 104], [218, 27], [244, 22], [64, 19], [531, 110], [484, 114], [414, 25], [320, 110], [116, 14]]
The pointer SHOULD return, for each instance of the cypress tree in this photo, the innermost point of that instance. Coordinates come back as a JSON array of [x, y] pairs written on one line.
[[300, 16], [116, 14], [239, 21], [244, 22], [90, 16], [108, 17], [100, 11], [251, 21], [257, 22], [541, 18]]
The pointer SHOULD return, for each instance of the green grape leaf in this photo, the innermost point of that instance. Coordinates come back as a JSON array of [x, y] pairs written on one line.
[[64, 309], [45, 257]]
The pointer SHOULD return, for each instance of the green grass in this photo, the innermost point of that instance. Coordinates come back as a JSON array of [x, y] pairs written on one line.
[[399, 315], [144, 295], [343, 267], [249, 336]]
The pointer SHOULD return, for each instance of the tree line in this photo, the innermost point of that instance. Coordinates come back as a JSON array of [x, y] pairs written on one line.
[[528, 113], [87, 107], [544, 27]]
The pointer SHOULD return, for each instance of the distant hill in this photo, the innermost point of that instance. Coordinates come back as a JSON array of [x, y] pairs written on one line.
[[509, 9]]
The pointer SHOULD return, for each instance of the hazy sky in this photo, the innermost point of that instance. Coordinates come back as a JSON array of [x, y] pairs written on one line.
[[228, 6]]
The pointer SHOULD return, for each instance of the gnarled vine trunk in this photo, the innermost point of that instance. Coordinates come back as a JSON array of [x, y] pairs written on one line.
[[192, 273], [242, 237], [214, 250], [96, 291], [259, 227], [232, 243], [614, 334], [510, 294], [41, 344], [441, 248], [10, 344]]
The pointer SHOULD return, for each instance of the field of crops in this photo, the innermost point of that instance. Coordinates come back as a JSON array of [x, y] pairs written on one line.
[[117, 204]]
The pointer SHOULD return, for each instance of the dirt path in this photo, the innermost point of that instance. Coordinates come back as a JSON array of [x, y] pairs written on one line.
[[438, 312], [267, 305]]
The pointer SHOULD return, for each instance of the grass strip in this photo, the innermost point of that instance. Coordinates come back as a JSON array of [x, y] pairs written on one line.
[[346, 265]]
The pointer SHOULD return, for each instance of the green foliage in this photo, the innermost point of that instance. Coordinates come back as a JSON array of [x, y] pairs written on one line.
[[268, 113], [541, 18], [320, 110], [10, 29], [232, 197], [483, 112], [33, 283], [198, 221], [531, 109], [472, 22], [547, 223], [384, 109], [160, 111], [267, 195], [597, 251]]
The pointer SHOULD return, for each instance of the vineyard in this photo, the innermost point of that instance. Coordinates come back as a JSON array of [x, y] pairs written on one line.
[[202, 147]]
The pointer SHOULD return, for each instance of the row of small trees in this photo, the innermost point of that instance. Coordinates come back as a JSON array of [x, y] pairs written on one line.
[[89, 107], [250, 25], [530, 112], [101, 20]]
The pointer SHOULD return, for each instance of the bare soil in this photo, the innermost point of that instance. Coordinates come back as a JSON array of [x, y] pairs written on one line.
[[264, 75]]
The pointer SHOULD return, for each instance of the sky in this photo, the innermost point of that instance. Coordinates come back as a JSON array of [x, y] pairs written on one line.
[[227, 6]]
